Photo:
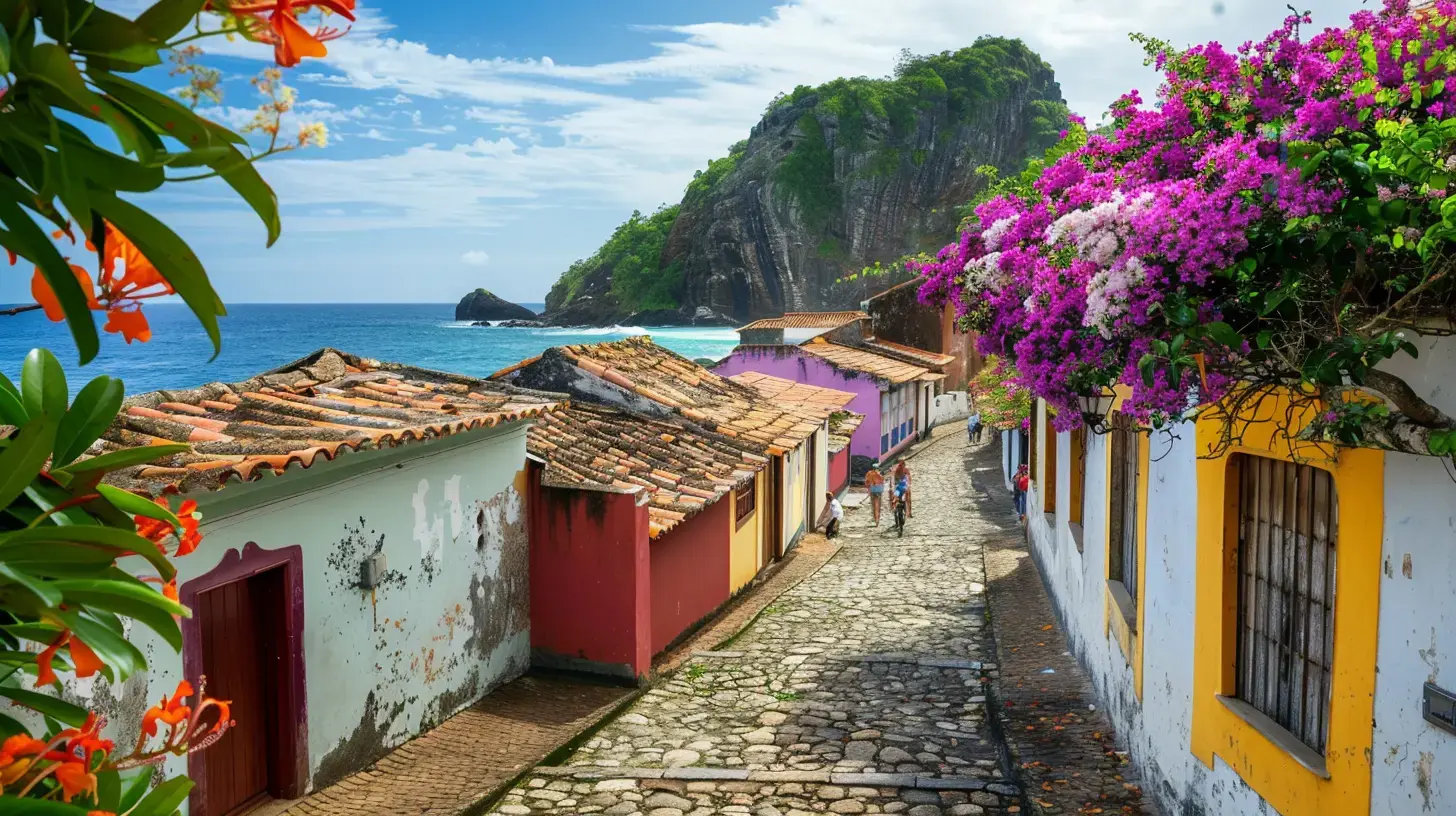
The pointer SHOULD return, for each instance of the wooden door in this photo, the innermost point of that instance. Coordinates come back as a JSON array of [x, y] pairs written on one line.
[[811, 493], [243, 631], [777, 496]]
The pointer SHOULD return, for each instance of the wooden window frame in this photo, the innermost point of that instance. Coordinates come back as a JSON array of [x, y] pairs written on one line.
[[1077, 485], [747, 493], [1049, 462], [1123, 602], [1224, 728]]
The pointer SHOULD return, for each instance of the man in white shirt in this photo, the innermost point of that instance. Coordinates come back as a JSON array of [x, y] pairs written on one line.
[[835, 511]]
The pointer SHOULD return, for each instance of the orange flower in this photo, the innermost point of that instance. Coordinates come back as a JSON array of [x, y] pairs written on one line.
[[131, 324], [277, 23], [169, 591], [85, 661], [87, 739], [15, 756], [40, 289], [171, 710], [44, 675], [139, 273], [188, 538], [75, 778]]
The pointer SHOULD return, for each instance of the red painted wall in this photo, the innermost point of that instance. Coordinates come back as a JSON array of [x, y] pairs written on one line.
[[838, 471], [690, 572], [591, 603]]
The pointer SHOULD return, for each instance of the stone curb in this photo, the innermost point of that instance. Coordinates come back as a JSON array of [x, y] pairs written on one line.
[[872, 780]]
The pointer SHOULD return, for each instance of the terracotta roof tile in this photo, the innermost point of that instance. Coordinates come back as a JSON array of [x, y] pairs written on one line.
[[719, 404], [682, 467], [909, 354], [807, 320], [880, 367], [842, 423], [318, 407]]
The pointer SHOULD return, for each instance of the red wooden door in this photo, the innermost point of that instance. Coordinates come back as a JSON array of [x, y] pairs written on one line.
[[241, 623]]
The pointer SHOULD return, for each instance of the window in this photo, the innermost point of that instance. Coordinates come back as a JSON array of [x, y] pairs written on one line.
[[1287, 528], [745, 499], [1122, 519], [1077, 500]]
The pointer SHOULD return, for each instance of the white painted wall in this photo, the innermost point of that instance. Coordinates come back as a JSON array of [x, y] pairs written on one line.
[[1414, 763], [949, 407], [449, 623]]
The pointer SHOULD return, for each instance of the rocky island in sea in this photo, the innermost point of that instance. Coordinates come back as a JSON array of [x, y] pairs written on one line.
[[483, 306]]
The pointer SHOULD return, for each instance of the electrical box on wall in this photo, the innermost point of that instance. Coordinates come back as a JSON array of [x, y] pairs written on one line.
[[1439, 708], [372, 571]]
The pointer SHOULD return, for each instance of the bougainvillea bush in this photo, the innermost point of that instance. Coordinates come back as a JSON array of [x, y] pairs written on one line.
[[1276, 219]]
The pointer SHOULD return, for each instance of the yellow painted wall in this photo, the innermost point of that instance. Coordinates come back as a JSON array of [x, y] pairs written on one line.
[[745, 541], [796, 473], [1273, 773]]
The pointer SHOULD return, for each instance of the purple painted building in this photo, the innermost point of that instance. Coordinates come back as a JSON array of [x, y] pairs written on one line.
[[892, 394]]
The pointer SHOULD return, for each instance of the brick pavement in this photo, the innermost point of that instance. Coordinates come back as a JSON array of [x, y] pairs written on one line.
[[1063, 745], [473, 753]]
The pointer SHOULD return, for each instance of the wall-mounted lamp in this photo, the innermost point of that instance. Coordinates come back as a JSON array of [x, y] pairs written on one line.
[[371, 572]]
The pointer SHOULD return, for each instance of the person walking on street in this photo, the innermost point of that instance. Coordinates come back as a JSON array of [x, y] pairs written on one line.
[[902, 474], [973, 427], [834, 513], [1021, 481], [875, 482]]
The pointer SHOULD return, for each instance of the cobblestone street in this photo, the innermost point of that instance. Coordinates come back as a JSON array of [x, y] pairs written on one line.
[[862, 690]]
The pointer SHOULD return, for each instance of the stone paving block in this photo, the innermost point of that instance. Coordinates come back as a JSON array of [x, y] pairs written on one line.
[[943, 783], [705, 774], [878, 780]]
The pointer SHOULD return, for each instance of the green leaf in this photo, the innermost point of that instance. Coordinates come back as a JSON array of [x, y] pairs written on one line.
[[12, 407], [167, 17], [45, 591], [92, 412], [23, 455], [108, 790], [68, 713], [170, 255], [4, 50], [164, 798], [10, 806], [134, 505], [107, 541], [43, 384], [125, 458], [27, 239], [119, 654], [51, 64], [9, 726], [135, 788], [243, 177], [129, 599], [1182, 315]]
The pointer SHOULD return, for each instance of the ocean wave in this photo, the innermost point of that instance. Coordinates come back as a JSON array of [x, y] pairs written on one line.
[[625, 331]]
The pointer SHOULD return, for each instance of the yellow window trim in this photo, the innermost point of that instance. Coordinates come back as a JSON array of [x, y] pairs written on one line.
[[1292, 787], [1115, 624]]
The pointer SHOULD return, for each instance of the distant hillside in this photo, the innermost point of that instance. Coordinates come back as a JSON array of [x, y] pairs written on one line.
[[833, 179]]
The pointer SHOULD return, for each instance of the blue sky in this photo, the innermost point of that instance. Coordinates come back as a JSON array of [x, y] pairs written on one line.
[[491, 143]]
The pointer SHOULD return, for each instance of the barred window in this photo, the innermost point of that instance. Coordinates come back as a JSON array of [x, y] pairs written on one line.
[[745, 499], [1123, 510], [1288, 526]]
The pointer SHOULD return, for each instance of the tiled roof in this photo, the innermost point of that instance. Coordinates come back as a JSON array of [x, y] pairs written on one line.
[[719, 404], [316, 408], [878, 366], [684, 468], [807, 320], [909, 354], [782, 390], [842, 423]]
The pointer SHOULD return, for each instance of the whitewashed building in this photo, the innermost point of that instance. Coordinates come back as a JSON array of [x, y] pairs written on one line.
[[1272, 630]]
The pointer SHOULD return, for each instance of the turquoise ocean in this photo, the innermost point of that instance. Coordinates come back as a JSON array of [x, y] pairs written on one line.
[[258, 337]]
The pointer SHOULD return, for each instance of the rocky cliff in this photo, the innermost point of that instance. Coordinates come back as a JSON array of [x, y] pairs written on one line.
[[833, 179]]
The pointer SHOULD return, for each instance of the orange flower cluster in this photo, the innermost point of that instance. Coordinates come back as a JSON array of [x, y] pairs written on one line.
[[69, 757], [84, 660], [158, 532], [276, 22], [120, 293], [184, 723]]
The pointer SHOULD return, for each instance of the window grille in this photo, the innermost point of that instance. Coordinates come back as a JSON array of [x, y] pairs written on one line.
[[745, 500], [1288, 526], [1123, 510]]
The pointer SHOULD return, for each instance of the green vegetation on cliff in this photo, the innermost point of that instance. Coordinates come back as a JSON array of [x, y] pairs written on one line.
[[964, 81], [633, 256]]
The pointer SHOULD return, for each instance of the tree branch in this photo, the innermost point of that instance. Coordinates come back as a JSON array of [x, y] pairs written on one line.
[[1406, 400], [19, 310]]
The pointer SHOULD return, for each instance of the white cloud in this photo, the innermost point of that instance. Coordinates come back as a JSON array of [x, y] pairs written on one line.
[[475, 257], [375, 134]]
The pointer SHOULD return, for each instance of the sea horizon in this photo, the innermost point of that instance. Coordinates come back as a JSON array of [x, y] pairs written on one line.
[[259, 337]]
